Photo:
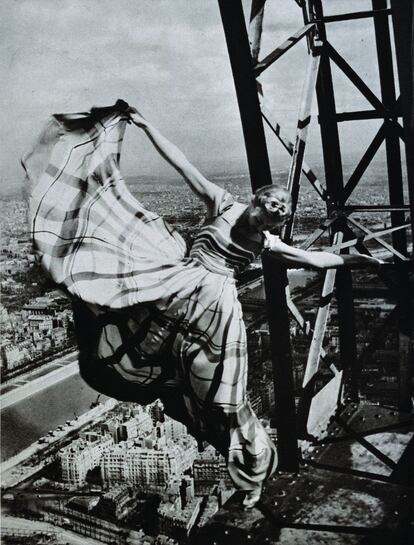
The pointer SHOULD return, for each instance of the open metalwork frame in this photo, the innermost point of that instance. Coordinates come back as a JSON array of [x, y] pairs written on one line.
[[397, 126]]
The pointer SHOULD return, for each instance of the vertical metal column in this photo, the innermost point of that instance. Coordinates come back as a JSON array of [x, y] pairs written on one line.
[[335, 184], [392, 141], [403, 23], [275, 275]]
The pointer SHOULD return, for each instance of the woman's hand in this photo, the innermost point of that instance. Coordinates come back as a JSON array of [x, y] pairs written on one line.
[[137, 118], [295, 257]]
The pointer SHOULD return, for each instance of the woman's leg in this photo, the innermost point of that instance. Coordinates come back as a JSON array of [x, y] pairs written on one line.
[[214, 365]]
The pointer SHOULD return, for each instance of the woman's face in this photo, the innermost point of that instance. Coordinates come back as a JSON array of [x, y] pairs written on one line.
[[259, 220]]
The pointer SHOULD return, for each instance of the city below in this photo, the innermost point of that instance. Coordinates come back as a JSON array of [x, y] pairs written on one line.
[[79, 463]]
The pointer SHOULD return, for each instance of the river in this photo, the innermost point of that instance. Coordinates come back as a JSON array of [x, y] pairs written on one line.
[[26, 421]]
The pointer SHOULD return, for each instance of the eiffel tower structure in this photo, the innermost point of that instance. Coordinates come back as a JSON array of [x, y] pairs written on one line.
[[319, 493]]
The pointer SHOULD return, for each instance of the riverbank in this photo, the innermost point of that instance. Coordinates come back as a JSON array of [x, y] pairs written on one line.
[[56, 371], [17, 468]]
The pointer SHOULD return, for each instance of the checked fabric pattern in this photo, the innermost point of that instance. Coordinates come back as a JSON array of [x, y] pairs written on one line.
[[160, 323]]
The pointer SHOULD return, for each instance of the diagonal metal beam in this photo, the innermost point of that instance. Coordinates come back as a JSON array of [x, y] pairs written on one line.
[[302, 323], [312, 364], [369, 446], [382, 273], [282, 49], [304, 120], [288, 145], [363, 163], [355, 78], [375, 235], [318, 232], [360, 240], [367, 231]]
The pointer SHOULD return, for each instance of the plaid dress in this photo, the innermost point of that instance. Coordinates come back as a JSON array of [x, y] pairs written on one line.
[[151, 320]]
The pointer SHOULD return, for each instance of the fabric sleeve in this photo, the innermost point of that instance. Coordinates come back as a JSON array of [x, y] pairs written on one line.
[[223, 201]]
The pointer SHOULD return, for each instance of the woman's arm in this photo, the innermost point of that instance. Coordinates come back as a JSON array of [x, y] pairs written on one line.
[[295, 257], [210, 193]]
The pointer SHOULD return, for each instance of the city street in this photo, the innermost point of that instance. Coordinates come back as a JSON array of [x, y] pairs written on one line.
[[54, 371], [10, 523]]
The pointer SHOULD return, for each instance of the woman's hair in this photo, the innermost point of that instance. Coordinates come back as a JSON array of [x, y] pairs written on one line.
[[275, 200]]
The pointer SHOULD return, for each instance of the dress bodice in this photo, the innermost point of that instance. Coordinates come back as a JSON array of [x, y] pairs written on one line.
[[218, 249]]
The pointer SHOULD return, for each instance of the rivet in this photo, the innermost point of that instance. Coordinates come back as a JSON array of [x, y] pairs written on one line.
[[275, 503], [226, 532], [249, 537]]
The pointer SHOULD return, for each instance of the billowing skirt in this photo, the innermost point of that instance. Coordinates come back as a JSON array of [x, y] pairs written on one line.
[[150, 322]]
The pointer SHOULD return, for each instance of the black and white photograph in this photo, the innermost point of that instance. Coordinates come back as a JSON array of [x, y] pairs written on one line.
[[207, 281]]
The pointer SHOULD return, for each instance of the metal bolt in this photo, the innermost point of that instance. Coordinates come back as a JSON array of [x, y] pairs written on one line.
[[275, 503]]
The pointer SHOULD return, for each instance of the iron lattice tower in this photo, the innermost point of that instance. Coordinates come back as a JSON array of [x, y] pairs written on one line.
[[396, 131]]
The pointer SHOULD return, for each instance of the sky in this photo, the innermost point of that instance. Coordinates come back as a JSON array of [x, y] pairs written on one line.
[[169, 59]]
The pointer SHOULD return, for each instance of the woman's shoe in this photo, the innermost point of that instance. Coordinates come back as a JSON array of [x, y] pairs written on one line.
[[251, 499]]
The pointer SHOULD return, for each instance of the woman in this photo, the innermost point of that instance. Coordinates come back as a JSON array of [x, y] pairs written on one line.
[[152, 321]]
